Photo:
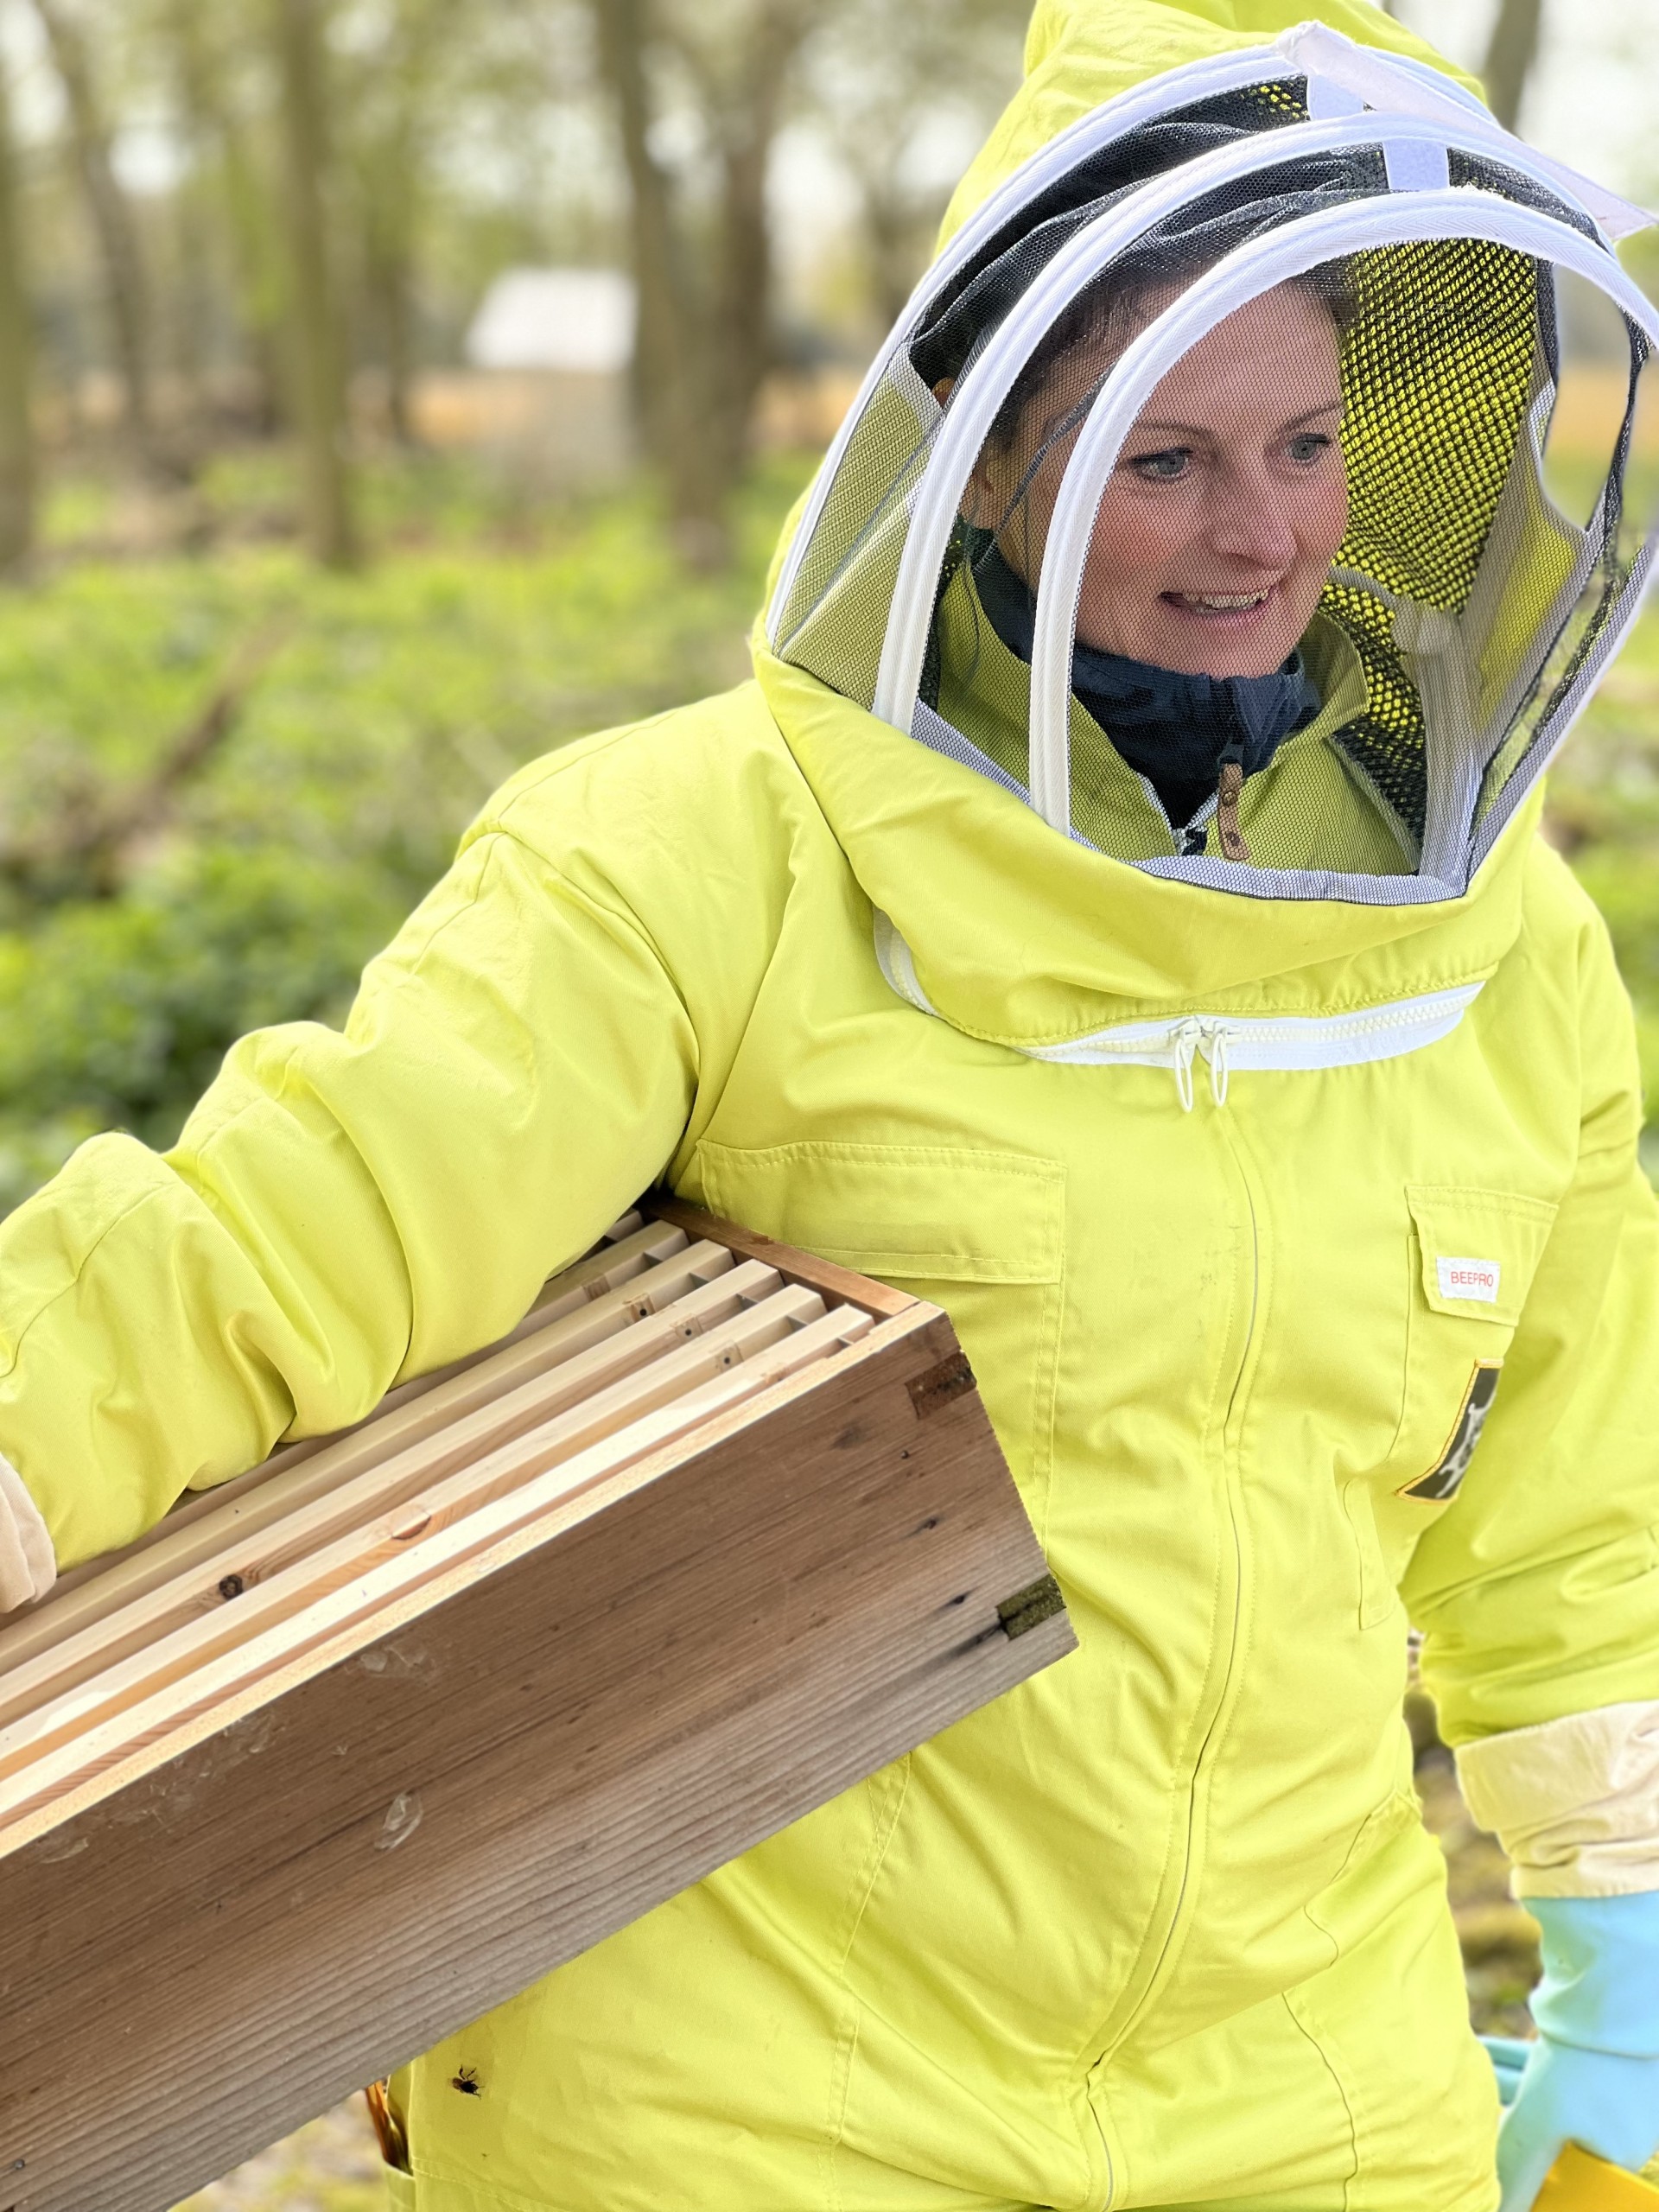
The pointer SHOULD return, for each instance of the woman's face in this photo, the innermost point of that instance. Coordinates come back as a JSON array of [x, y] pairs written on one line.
[[1227, 504]]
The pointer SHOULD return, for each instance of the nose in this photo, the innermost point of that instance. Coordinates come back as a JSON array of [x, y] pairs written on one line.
[[1251, 519]]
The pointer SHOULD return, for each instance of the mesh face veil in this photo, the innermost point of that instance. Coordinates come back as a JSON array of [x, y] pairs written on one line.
[[1393, 474]]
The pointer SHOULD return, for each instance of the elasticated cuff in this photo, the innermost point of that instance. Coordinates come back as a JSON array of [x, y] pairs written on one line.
[[29, 1566], [1573, 1801]]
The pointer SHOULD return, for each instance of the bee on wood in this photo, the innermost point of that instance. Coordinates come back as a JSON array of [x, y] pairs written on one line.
[[467, 2082]]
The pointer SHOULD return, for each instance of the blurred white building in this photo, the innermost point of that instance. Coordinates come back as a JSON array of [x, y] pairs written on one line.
[[561, 322], [551, 355]]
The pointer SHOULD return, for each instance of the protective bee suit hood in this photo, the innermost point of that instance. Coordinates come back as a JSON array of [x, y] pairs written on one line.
[[1466, 615]]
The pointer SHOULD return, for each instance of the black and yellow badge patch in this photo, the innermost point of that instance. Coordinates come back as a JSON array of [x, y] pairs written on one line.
[[1443, 1479]]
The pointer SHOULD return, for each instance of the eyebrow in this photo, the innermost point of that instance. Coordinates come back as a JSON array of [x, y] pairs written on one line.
[[1197, 430]]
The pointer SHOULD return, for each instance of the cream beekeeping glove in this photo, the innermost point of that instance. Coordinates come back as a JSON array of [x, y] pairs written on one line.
[[1575, 1801], [27, 1565]]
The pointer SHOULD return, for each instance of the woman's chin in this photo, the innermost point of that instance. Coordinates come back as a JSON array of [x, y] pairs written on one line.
[[1219, 666], [1182, 657]]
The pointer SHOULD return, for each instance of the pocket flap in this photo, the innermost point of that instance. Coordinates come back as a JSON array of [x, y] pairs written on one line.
[[1479, 1248], [941, 1212]]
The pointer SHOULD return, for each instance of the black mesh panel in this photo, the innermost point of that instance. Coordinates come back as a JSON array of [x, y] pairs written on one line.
[[1438, 375], [1385, 743]]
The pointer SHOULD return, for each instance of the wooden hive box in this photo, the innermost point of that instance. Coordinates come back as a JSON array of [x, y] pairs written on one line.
[[353, 1749]]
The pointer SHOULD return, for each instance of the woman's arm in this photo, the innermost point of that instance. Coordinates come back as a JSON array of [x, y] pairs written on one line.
[[1538, 1590], [345, 1209]]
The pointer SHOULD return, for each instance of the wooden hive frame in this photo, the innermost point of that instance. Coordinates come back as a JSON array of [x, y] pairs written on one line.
[[354, 1748]]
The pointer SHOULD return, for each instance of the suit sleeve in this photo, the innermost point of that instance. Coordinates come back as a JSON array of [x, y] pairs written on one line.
[[342, 1208], [1538, 1590]]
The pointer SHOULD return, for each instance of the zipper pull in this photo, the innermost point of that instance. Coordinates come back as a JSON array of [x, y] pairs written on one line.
[[1227, 791], [1217, 1037], [1187, 1041]]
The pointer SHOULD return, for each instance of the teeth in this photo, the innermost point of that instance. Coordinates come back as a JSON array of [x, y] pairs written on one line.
[[1220, 599]]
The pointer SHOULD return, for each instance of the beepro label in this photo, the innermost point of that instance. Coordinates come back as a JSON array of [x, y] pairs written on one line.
[[1473, 1279]]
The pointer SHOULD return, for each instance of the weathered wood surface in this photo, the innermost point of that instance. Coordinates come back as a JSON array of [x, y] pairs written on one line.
[[120, 1726], [587, 1302], [453, 1790], [644, 1294], [353, 1526]]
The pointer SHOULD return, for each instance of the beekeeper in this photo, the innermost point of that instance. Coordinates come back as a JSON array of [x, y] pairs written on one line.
[[1117, 911]]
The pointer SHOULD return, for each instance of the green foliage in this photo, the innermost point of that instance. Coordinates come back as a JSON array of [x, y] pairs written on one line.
[[395, 703], [118, 1013]]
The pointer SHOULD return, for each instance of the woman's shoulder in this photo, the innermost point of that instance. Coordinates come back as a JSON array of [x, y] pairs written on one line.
[[692, 763], [696, 823], [1564, 966], [1561, 916]]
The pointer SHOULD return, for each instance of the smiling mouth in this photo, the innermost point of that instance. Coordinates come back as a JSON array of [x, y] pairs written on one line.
[[1218, 602]]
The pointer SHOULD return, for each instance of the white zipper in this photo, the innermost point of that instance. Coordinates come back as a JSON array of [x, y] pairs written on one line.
[[1227, 1043]]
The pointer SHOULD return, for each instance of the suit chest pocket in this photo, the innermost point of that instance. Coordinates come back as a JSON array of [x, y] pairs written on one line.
[[1470, 1258], [980, 1233], [1473, 1255]]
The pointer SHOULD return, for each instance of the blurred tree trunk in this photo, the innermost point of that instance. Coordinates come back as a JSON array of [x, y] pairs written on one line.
[[1510, 54], [255, 254], [389, 270], [17, 433], [392, 132], [314, 321], [667, 356], [391, 281], [890, 227], [111, 217], [743, 305], [705, 334], [190, 308]]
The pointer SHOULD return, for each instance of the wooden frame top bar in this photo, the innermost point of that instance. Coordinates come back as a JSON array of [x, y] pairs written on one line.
[[841, 1285]]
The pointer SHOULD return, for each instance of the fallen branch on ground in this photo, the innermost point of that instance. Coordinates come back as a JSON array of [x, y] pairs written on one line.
[[88, 850]]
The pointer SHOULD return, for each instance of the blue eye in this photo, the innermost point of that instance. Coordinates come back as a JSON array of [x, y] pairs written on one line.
[[1310, 446], [1166, 468]]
